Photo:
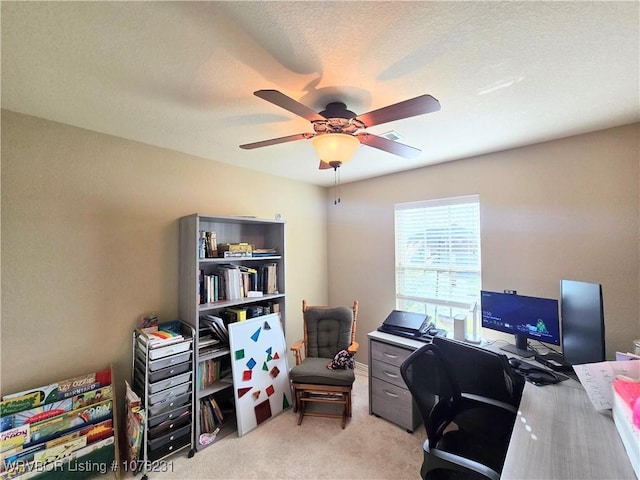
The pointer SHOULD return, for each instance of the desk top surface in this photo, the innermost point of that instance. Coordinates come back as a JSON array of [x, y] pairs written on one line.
[[560, 435], [396, 340]]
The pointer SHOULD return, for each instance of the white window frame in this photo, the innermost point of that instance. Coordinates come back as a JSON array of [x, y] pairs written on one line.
[[438, 259]]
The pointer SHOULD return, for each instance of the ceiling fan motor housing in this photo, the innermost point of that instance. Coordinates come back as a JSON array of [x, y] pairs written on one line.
[[337, 120]]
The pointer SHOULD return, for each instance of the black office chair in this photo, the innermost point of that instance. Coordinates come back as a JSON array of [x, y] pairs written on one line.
[[486, 373], [451, 450]]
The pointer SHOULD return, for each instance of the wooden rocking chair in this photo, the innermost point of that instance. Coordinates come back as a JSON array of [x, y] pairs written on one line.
[[327, 331]]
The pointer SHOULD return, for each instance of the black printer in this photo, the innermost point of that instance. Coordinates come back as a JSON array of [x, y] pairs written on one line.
[[411, 325]]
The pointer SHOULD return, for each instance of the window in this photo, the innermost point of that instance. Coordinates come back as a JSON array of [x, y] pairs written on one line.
[[438, 258]]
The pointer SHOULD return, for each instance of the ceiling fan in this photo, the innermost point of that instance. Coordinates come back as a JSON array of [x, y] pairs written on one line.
[[336, 120]]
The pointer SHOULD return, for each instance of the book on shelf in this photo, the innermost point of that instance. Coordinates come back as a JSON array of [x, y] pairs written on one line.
[[73, 415], [208, 373], [44, 394], [211, 416], [57, 450], [217, 412], [239, 313], [232, 281], [15, 437], [213, 349], [237, 254], [207, 244], [207, 341], [241, 249], [12, 405], [229, 281], [268, 278], [249, 280], [54, 392], [264, 252], [217, 327], [209, 288], [53, 409], [68, 421], [134, 424]]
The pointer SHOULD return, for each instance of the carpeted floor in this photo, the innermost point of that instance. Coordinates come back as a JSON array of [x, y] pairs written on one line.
[[368, 448]]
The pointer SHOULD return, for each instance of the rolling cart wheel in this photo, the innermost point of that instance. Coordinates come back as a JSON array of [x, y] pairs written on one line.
[[192, 452], [144, 477]]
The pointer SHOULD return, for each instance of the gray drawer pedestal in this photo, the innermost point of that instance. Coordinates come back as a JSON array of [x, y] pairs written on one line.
[[389, 397]]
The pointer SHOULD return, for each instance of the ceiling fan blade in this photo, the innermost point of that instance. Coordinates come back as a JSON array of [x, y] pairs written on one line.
[[275, 141], [408, 108], [388, 145], [288, 103]]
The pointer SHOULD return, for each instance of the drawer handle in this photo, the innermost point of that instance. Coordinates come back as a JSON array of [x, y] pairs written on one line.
[[390, 355], [391, 394], [389, 374]]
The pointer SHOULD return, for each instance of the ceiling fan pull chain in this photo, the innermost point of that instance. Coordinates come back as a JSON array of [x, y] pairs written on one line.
[[336, 185]]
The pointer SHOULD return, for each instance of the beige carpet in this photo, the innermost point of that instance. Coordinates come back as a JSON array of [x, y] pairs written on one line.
[[368, 448]]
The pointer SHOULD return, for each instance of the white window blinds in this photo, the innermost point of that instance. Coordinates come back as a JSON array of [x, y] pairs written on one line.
[[438, 255]]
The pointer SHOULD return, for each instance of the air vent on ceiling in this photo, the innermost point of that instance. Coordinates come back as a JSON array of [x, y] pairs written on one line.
[[391, 135]]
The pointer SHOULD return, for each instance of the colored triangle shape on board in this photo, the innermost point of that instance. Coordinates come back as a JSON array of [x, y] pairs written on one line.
[[243, 391], [276, 356], [285, 402], [267, 326], [269, 350], [264, 366], [255, 336]]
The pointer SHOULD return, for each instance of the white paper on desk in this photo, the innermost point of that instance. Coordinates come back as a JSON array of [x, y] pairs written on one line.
[[626, 356], [597, 379]]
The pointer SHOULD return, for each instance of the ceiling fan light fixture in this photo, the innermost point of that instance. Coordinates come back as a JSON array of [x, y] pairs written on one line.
[[335, 148]]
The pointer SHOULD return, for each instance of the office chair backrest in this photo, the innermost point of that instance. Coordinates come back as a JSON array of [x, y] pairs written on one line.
[[426, 373], [469, 450], [327, 330], [480, 371]]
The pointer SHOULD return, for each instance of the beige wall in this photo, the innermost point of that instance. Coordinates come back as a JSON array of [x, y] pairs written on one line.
[[90, 235], [90, 242], [562, 209]]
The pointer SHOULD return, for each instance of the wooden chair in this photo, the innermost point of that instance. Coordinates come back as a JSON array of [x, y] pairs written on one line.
[[327, 331]]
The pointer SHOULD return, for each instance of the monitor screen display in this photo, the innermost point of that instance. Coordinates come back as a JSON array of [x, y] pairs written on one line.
[[582, 322], [525, 317]]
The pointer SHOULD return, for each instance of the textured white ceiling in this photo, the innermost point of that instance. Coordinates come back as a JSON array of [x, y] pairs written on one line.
[[180, 75]]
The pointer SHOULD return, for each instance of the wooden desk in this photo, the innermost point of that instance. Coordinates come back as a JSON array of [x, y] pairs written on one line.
[[559, 435]]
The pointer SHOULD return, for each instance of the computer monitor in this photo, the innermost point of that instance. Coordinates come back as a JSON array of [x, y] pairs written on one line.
[[525, 317], [582, 313]]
